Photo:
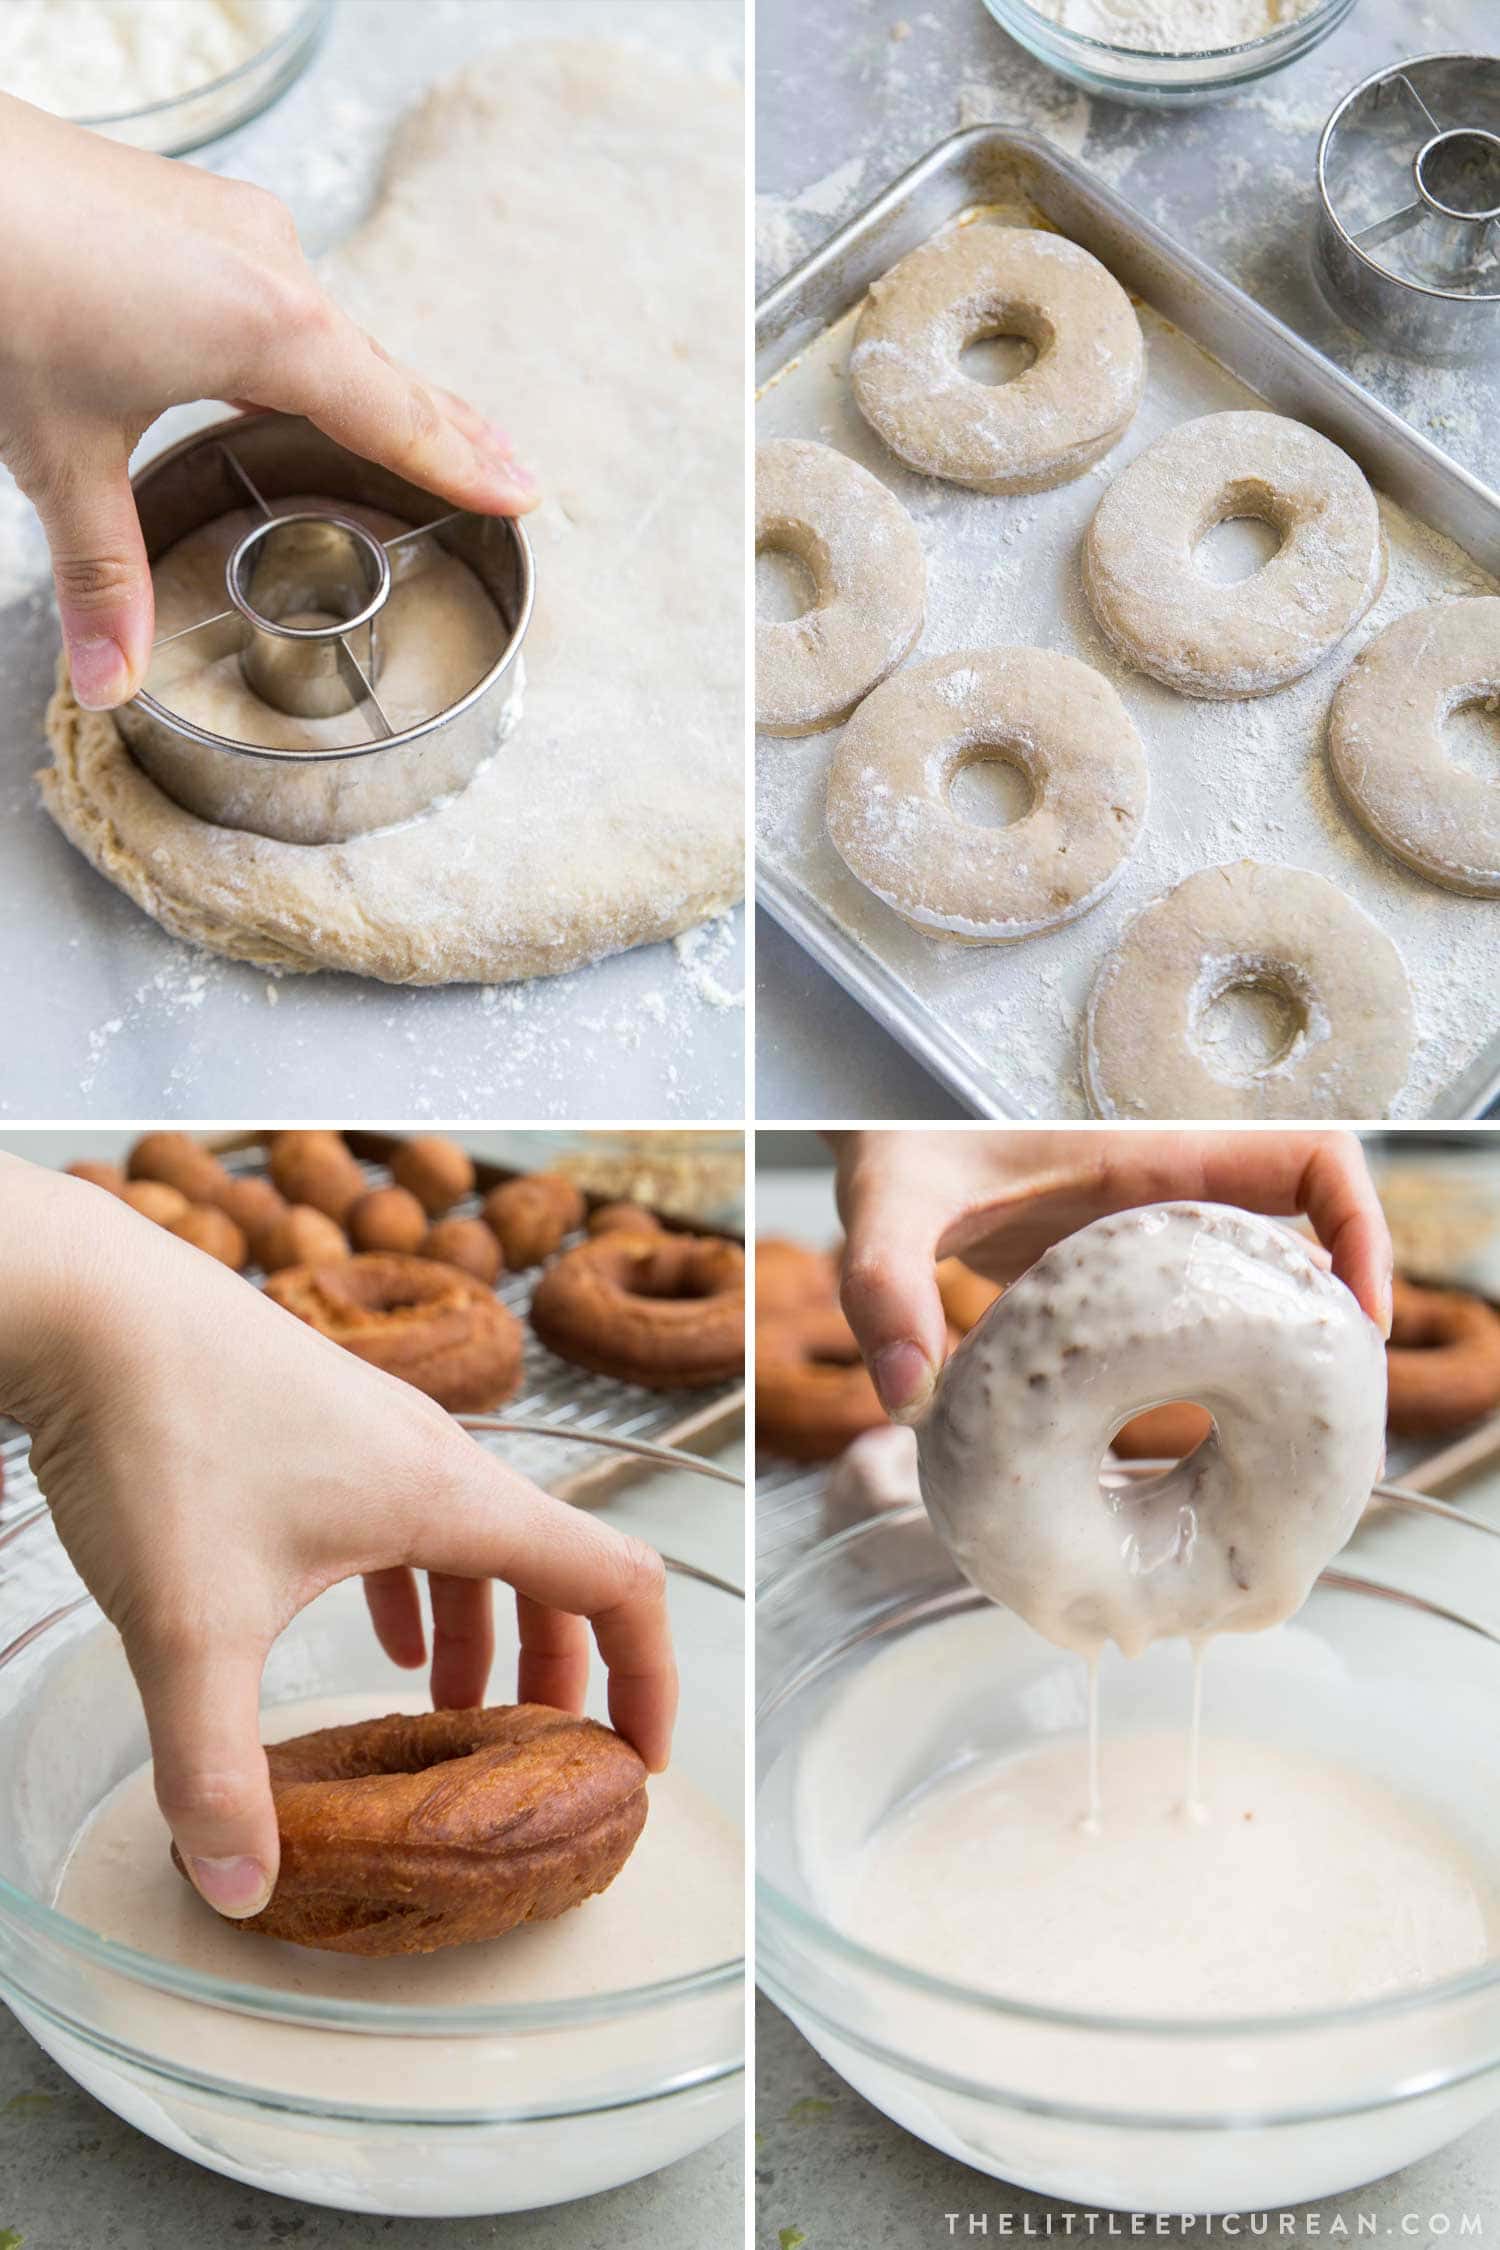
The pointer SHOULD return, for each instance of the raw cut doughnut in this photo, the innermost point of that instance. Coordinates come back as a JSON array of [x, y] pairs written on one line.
[[860, 548], [1226, 929], [874, 1476], [1443, 1359], [664, 1310], [1050, 424], [892, 822], [1161, 613], [1175, 1300], [1385, 743], [402, 1835]]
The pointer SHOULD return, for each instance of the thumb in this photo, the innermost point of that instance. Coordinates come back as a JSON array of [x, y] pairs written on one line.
[[212, 1784], [103, 580], [890, 1296]]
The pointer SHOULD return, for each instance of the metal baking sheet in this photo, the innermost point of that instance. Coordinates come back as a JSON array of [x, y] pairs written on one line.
[[999, 1025]]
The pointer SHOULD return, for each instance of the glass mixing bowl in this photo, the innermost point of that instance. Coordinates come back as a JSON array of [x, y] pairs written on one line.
[[1141, 2115], [1127, 74], [479, 2110], [206, 113]]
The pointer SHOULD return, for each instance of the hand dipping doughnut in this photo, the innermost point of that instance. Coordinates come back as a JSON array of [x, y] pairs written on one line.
[[1055, 419], [1386, 748], [1150, 1049], [1178, 1300], [892, 818], [665, 1310], [1165, 616], [861, 551]]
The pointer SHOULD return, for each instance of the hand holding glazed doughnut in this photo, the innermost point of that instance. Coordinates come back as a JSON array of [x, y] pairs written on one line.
[[1175, 1300]]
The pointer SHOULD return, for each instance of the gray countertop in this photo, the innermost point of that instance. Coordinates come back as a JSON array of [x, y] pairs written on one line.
[[851, 92], [106, 1015]]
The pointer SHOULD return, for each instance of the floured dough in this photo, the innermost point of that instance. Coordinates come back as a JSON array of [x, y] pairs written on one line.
[[591, 302]]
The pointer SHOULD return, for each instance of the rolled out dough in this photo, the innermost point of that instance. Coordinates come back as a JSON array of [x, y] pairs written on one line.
[[559, 238]]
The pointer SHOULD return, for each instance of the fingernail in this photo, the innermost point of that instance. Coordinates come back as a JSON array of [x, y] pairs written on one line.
[[1387, 1308], [236, 1887], [501, 438], [904, 1377], [100, 674]]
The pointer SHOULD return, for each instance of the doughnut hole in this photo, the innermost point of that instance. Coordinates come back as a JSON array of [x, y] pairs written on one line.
[[1001, 341], [791, 565], [990, 784], [1243, 532], [1163, 1433], [1471, 736], [665, 1281], [1246, 1018]]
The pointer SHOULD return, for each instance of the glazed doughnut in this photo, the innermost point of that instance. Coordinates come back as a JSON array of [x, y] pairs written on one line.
[[1057, 418], [966, 1295], [624, 1218], [860, 549], [531, 1216], [813, 1393], [209, 1229], [437, 1328], [402, 1835], [106, 1176], [1140, 1307], [875, 1476], [789, 1275], [1386, 748], [1443, 1359], [436, 1171], [890, 812], [178, 1161], [154, 1199], [316, 1168], [301, 1236], [1226, 929], [388, 1218], [255, 1206], [1164, 616], [665, 1310], [466, 1243]]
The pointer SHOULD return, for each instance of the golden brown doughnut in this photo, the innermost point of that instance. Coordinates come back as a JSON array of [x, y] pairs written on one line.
[[624, 1218], [435, 1171], [664, 1310], [1443, 1359], [176, 1159], [437, 1328], [388, 1218], [255, 1206], [813, 1392], [467, 1244], [789, 1275], [99, 1175], [402, 1835], [301, 1237], [316, 1168], [207, 1228], [530, 1217], [154, 1200], [1163, 1433], [966, 1295]]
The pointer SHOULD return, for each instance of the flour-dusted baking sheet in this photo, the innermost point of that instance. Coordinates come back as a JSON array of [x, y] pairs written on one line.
[[1001, 1024]]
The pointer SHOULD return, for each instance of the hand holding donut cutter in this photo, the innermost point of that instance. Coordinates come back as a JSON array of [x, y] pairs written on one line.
[[1176, 1300]]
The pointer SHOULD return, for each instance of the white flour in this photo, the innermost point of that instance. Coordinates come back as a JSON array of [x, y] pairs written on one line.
[[100, 58], [1173, 27]]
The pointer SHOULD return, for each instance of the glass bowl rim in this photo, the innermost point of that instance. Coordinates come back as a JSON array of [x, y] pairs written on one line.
[[309, 13], [1047, 28], [820, 1935]]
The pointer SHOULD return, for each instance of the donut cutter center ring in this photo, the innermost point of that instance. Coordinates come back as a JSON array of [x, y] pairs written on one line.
[[305, 615]]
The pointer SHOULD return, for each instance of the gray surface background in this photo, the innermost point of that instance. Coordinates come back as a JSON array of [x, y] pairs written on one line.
[[106, 1015], [843, 104]]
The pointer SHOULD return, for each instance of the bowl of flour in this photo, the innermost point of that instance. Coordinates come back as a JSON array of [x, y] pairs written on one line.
[[1167, 53]]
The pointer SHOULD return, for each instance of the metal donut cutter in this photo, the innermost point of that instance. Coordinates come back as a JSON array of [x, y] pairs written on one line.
[[305, 592], [1409, 206]]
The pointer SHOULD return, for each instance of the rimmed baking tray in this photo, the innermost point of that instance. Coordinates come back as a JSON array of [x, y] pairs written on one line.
[[998, 1025]]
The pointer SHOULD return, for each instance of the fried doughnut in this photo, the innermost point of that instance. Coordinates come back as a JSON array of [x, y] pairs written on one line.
[[813, 1393], [406, 1834], [316, 1168], [467, 1244], [255, 1206], [665, 1310], [388, 1218], [434, 1170], [99, 1175], [1140, 1307], [788, 1274], [624, 1218], [209, 1229], [1443, 1359], [966, 1295], [301, 1237], [155, 1200], [530, 1217], [437, 1328], [178, 1161]]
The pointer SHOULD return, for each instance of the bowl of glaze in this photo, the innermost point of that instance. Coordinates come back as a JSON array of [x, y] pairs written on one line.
[[1164, 81], [1380, 1670], [411, 2110]]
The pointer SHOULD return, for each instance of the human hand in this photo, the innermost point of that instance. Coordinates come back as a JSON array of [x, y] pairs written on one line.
[[131, 284], [999, 1199], [212, 1466]]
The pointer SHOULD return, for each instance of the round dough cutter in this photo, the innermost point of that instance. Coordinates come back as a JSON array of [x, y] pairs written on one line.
[[1409, 206], [305, 596]]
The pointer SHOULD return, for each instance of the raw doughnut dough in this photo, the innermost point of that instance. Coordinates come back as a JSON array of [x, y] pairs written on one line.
[[862, 551], [1385, 742], [1049, 424], [1165, 617], [1177, 1300], [606, 188], [1221, 930], [888, 793]]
